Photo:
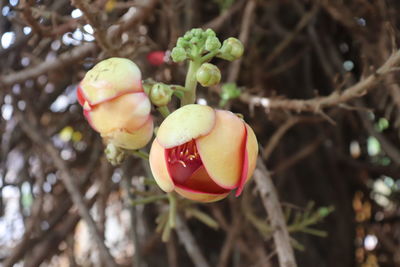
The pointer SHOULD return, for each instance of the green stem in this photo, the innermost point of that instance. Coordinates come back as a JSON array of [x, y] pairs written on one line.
[[172, 210], [191, 83], [140, 154], [209, 56], [164, 110], [148, 200]]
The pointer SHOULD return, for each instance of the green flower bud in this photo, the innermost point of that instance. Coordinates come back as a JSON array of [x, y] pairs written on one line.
[[114, 154], [208, 75], [178, 54], [210, 33], [230, 91], [231, 49], [160, 94], [197, 32], [181, 42], [323, 211], [212, 43]]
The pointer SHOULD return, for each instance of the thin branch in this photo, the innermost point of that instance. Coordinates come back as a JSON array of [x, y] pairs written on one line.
[[217, 22], [131, 17], [51, 64], [318, 103], [69, 182], [190, 244], [289, 38], [243, 37], [273, 207]]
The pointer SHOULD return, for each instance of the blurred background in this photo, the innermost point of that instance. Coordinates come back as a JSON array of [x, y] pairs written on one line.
[[335, 165]]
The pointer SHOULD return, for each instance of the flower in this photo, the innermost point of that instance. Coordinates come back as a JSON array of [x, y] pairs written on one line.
[[115, 104], [203, 154]]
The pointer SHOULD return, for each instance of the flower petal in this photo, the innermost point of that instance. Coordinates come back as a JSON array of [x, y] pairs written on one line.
[[185, 124], [250, 152], [199, 196], [201, 182], [128, 112], [158, 166], [221, 150], [131, 140], [111, 78], [79, 95]]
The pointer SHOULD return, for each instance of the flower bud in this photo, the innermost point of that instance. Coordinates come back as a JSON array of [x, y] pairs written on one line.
[[178, 54], [231, 49], [203, 154], [114, 154], [212, 43], [160, 94], [210, 32], [115, 105], [208, 74], [182, 42]]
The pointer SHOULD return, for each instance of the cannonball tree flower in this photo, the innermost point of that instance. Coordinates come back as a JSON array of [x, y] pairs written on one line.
[[203, 154], [115, 104]]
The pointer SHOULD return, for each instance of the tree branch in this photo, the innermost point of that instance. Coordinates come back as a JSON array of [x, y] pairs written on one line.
[[319, 103], [273, 207]]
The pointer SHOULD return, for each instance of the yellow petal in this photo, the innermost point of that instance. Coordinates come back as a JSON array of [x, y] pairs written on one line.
[[221, 151], [134, 140], [200, 197], [158, 166], [185, 124], [129, 112], [110, 78], [252, 151]]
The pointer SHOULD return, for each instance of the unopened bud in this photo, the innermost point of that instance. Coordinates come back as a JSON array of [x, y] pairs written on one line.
[[114, 154], [231, 49], [208, 74], [212, 43], [178, 54], [160, 94]]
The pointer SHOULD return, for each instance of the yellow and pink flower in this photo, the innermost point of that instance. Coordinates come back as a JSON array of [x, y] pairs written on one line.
[[115, 104], [203, 154]]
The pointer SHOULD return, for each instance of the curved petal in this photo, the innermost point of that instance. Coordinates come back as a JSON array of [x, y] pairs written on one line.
[[221, 150], [201, 182], [128, 112], [131, 140], [111, 78], [186, 124], [158, 167], [199, 196], [252, 151], [79, 95]]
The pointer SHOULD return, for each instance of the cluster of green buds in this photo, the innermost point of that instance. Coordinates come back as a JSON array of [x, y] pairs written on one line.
[[200, 46]]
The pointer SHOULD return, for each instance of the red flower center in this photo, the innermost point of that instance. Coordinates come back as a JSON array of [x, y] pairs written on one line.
[[187, 170], [183, 160]]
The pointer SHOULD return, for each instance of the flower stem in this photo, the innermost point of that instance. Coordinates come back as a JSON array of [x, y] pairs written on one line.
[[164, 111], [140, 154], [172, 210], [191, 82], [148, 200]]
